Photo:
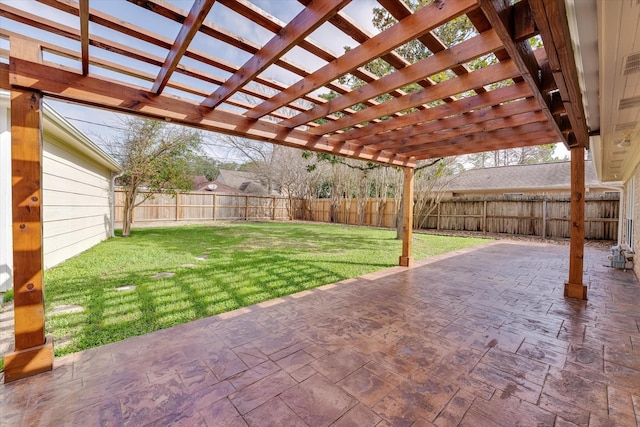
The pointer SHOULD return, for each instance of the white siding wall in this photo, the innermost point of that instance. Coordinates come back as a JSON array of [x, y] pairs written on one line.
[[76, 194], [76, 213]]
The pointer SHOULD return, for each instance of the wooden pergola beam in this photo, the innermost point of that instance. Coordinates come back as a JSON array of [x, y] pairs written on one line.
[[463, 52], [491, 74], [84, 35], [574, 286], [499, 14], [189, 29], [425, 19], [33, 352], [406, 259], [149, 37], [407, 135], [497, 128], [302, 25], [104, 93], [549, 16], [478, 144]]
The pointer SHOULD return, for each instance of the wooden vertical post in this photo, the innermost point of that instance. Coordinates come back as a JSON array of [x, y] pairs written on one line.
[[246, 208], [438, 217], [574, 287], [214, 207], [484, 217], [33, 352], [274, 201], [406, 259], [544, 219], [177, 206]]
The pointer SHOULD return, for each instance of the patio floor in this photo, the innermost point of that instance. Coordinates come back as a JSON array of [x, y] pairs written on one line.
[[479, 337]]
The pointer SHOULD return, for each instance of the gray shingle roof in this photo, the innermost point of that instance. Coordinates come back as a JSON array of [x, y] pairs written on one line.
[[247, 182], [552, 176]]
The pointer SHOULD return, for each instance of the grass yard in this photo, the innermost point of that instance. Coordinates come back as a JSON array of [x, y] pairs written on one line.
[[217, 268]]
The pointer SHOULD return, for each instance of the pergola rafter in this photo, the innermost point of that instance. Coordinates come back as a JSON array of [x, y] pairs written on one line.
[[521, 97]]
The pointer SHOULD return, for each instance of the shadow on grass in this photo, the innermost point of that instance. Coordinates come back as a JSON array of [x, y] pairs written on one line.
[[242, 264]]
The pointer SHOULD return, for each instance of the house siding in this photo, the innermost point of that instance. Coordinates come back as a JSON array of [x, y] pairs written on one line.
[[636, 217], [76, 210], [76, 193]]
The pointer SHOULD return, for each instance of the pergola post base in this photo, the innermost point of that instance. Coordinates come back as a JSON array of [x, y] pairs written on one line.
[[575, 290], [406, 261], [28, 362]]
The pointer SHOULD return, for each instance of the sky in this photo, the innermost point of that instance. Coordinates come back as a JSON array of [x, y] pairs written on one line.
[[102, 125]]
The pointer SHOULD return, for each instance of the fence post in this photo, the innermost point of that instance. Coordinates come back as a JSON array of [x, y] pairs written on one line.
[[438, 218], [273, 210], [214, 207], [484, 217], [246, 208], [177, 206], [544, 219]]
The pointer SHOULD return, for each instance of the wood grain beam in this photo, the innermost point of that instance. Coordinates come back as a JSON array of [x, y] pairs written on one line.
[[147, 36], [478, 145], [176, 14], [551, 18], [499, 129], [491, 74], [406, 259], [134, 72], [498, 13], [463, 52], [406, 135], [84, 35], [574, 287], [189, 29], [68, 85], [399, 10], [302, 25], [487, 99], [427, 18]]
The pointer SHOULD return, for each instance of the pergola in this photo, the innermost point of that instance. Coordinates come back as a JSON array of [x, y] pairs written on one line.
[[524, 97]]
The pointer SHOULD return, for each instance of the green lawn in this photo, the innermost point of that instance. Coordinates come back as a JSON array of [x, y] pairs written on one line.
[[244, 263]]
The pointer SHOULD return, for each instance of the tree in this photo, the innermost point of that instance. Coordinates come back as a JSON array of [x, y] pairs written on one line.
[[155, 155]]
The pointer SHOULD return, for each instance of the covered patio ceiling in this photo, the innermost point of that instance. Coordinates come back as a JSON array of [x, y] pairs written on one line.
[[153, 58]]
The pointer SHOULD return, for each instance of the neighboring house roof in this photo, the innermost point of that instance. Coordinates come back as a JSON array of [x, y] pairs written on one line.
[[538, 177], [247, 182], [217, 187]]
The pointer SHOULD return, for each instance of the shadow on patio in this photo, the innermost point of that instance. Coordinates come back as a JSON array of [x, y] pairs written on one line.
[[477, 337]]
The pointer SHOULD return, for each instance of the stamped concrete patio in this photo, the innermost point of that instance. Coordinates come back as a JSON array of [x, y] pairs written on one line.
[[479, 337]]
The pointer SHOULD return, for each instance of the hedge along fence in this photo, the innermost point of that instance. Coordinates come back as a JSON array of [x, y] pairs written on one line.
[[201, 206], [546, 217]]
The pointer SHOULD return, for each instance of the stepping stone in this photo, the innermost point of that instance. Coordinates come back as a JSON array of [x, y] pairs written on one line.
[[125, 288], [188, 265], [163, 275], [62, 342], [67, 309], [201, 258]]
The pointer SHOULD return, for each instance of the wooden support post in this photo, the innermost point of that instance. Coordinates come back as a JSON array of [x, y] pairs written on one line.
[[177, 206], [406, 259], [33, 352], [274, 201], [246, 208], [574, 287], [544, 219], [484, 217], [438, 217], [214, 207]]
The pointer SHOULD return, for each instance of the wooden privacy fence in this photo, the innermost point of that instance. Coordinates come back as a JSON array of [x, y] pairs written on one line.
[[546, 217], [201, 206]]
